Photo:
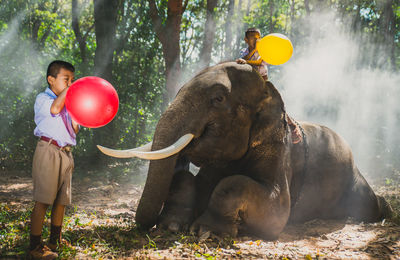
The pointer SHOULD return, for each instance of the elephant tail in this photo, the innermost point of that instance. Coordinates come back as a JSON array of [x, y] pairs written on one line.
[[384, 208]]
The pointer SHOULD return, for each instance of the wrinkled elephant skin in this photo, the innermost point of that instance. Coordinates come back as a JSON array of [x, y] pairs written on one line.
[[252, 179]]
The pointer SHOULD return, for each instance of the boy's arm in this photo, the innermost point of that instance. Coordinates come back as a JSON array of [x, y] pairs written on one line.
[[251, 62], [58, 103], [75, 126], [241, 61], [255, 62]]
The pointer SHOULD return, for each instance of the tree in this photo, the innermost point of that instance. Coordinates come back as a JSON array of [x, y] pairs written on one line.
[[307, 7], [80, 37], [167, 31], [271, 15], [37, 21], [209, 34], [228, 29], [105, 21], [388, 26]]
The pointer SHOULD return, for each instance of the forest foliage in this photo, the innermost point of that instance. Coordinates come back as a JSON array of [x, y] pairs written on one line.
[[147, 49]]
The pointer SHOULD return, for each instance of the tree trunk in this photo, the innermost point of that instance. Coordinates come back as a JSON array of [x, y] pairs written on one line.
[[79, 37], [239, 27], [307, 7], [169, 37], [356, 26], [105, 20], [292, 11], [48, 29], [271, 15], [36, 23], [322, 5], [228, 31], [389, 30], [129, 23], [247, 25], [209, 34]]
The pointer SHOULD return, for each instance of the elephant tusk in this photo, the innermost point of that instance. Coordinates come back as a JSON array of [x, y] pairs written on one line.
[[124, 153], [144, 152]]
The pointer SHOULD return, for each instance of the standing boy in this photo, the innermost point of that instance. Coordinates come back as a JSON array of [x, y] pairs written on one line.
[[250, 56], [52, 162]]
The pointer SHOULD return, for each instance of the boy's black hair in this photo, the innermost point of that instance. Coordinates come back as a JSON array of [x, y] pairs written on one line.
[[54, 68], [252, 30]]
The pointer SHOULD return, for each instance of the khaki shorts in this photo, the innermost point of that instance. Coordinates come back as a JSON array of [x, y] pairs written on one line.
[[52, 174]]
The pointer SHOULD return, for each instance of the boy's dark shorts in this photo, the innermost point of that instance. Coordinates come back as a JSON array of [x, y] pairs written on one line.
[[52, 174]]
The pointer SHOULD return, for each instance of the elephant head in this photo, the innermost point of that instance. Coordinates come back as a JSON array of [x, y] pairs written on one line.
[[216, 118]]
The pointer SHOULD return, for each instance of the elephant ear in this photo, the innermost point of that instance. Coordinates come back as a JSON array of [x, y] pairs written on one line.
[[250, 89], [246, 85], [269, 123], [274, 98]]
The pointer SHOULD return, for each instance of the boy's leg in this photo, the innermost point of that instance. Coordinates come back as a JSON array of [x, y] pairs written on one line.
[[37, 219], [63, 198], [37, 249], [45, 165], [57, 217]]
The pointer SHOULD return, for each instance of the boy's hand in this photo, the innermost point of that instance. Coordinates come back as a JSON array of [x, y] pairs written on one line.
[[75, 126], [241, 61]]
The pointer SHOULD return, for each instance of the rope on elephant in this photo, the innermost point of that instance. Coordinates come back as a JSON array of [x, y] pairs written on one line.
[[303, 173]]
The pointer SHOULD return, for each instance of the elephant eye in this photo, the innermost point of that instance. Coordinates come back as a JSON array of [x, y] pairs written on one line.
[[218, 99]]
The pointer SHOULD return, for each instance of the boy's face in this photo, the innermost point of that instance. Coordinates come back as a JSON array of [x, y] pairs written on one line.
[[63, 80], [251, 39]]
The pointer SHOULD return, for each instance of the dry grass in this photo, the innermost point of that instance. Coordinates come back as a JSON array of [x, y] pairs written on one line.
[[101, 225]]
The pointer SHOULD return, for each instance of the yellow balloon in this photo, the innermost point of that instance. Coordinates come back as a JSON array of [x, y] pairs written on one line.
[[275, 48]]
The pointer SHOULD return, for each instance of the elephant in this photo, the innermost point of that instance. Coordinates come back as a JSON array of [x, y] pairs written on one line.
[[252, 180]]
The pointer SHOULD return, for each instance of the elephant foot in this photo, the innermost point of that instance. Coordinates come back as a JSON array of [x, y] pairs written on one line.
[[176, 222], [385, 208], [177, 214], [208, 224], [239, 204]]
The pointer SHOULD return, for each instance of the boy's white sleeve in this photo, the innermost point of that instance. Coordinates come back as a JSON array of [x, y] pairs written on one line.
[[43, 105]]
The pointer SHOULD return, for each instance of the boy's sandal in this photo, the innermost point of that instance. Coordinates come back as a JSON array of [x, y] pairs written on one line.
[[42, 252], [55, 247]]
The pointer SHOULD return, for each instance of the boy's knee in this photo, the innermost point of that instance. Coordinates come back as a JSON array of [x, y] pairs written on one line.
[[41, 205]]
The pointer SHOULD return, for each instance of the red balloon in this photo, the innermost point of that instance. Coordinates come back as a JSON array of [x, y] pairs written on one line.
[[92, 101]]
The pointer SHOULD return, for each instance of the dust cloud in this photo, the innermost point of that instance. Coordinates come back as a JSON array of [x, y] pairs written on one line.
[[20, 62], [327, 82]]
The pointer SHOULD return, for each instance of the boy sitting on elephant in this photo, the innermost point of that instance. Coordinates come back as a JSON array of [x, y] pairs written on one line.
[[250, 56]]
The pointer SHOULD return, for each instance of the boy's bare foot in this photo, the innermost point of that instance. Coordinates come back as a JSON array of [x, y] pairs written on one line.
[[42, 252]]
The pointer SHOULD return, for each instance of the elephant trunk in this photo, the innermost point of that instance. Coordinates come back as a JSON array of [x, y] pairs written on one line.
[[171, 126], [155, 191]]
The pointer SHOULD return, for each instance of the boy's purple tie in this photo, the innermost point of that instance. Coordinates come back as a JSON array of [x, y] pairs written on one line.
[[67, 124]]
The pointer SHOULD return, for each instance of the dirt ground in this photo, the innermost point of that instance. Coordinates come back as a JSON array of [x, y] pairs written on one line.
[[103, 211]]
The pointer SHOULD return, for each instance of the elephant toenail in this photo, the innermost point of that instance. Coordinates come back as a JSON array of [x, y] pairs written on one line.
[[174, 227], [203, 236]]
